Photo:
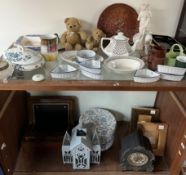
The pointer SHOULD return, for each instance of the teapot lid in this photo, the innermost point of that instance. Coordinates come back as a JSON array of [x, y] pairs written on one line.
[[120, 36]]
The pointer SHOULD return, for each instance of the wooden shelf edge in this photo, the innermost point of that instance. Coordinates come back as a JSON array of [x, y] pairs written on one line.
[[92, 85]]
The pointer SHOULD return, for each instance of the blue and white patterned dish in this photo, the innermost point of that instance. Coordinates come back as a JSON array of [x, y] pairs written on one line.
[[20, 56]]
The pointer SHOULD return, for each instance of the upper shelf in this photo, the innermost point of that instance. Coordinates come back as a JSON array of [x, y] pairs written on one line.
[[92, 85]]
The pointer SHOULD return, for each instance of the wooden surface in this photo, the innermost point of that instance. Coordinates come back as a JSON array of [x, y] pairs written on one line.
[[173, 112], [12, 117], [114, 85], [45, 156]]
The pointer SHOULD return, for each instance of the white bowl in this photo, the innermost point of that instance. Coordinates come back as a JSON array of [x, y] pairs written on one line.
[[124, 64], [84, 55], [171, 70], [146, 76]]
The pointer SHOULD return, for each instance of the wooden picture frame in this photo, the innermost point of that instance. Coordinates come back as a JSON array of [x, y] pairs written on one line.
[[136, 111], [63, 109]]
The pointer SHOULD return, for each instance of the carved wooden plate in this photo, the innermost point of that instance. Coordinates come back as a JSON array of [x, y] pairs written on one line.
[[118, 17]]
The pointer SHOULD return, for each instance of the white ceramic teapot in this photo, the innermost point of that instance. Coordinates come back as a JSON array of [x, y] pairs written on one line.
[[118, 45]]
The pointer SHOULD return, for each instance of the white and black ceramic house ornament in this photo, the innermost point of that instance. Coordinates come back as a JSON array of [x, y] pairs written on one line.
[[81, 148]]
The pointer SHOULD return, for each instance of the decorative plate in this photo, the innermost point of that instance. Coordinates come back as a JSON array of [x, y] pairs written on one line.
[[119, 17], [31, 67], [105, 124], [19, 55], [71, 57]]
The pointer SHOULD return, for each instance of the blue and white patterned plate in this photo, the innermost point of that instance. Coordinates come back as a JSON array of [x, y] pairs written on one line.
[[20, 56]]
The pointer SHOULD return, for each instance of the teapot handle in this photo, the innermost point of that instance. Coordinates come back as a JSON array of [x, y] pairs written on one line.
[[180, 48], [103, 39]]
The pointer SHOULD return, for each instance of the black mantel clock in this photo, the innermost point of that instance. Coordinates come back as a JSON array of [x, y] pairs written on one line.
[[136, 153]]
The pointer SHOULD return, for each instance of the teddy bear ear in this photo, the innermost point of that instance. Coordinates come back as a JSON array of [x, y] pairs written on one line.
[[66, 20]]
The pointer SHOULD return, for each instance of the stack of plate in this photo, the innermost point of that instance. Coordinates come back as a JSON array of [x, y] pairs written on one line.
[[171, 73], [24, 59]]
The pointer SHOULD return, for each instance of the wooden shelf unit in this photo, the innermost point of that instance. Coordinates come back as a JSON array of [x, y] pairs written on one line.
[[171, 100]]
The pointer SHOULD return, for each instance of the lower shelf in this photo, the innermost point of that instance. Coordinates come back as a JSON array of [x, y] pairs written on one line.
[[43, 157]]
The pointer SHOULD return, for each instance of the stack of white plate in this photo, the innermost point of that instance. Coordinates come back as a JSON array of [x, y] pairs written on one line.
[[171, 73], [24, 59]]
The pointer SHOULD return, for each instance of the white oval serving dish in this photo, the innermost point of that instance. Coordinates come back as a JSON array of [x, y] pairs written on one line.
[[124, 64], [64, 72]]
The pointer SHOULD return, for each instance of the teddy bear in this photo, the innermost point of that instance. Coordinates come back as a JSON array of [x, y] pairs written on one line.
[[73, 38], [93, 41]]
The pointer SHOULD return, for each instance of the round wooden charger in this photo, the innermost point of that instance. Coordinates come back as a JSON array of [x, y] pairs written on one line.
[[119, 17]]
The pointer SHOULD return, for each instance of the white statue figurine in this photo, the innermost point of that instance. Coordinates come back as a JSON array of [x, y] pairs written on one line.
[[144, 37], [144, 19]]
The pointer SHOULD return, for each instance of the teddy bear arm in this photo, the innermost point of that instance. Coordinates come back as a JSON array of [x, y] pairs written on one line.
[[83, 36]]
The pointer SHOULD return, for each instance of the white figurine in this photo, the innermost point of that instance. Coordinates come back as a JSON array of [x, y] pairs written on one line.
[[144, 19], [143, 39]]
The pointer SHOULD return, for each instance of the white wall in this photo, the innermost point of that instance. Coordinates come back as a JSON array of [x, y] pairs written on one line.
[[19, 17]]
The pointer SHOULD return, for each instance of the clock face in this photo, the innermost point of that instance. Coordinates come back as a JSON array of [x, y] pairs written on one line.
[[137, 159]]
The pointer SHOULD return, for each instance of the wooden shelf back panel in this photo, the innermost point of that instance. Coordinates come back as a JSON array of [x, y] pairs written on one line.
[[173, 113]]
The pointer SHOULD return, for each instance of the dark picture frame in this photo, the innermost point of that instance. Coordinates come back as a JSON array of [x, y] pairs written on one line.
[[52, 114]]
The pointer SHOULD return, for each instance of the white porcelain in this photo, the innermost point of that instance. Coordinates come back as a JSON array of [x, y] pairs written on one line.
[[30, 41], [19, 55], [31, 67], [146, 76], [38, 77], [84, 55], [171, 70], [7, 71], [118, 45], [92, 66], [91, 75], [104, 123], [70, 57], [181, 58], [124, 64], [64, 72], [171, 77]]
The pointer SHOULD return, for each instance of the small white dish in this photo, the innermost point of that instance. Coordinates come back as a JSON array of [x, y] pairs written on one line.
[[38, 77], [171, 77], [92, 66], [171, 70], [91, 75], [146, 76], [64, 72], [71, 57], [124, 64], [84, 55]]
